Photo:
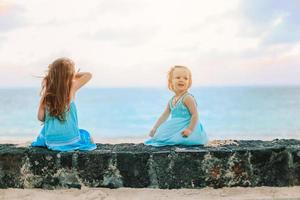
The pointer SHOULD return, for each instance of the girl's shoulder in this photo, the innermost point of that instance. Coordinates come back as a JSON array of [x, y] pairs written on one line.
[[188, 97]]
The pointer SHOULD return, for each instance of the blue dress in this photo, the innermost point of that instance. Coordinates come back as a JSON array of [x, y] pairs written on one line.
[[64, 136], [169, 132]]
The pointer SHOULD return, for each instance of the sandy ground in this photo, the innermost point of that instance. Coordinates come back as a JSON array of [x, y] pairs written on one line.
[[237, 193]]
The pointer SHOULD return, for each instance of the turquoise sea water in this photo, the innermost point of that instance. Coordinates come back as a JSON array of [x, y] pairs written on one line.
[[226, 112]]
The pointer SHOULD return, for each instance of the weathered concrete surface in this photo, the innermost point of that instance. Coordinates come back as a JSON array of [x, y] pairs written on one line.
[[248, 164]]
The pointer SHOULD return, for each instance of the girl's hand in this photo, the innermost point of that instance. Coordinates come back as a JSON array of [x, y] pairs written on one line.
[[186, 132], [152, 132]]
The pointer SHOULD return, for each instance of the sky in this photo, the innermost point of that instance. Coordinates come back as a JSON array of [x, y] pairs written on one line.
[[133, 43]]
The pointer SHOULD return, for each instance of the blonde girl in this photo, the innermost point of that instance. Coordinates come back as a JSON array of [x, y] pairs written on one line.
[[183, 127]]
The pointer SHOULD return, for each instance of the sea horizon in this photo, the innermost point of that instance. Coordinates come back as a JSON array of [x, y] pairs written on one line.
[[114, 113]]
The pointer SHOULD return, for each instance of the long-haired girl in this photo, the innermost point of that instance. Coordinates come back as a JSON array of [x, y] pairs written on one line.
[[57, 109]]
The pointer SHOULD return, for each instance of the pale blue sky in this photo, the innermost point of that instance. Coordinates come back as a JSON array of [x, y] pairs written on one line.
[[134, 42]]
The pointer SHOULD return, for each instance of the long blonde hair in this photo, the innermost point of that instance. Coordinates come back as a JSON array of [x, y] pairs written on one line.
[[56, 87], [170, 76]]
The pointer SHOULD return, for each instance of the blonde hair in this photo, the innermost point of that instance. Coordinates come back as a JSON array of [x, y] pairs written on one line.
[[56, 87], [170, 76]]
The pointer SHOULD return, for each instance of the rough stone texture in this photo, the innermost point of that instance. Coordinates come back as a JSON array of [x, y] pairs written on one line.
[[246, 164]]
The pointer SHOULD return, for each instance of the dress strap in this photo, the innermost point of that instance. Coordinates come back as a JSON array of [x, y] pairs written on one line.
[[183, 96], [178, 101], [171, 102]]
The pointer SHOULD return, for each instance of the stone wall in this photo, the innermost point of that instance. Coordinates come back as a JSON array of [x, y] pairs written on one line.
[[246, 164]]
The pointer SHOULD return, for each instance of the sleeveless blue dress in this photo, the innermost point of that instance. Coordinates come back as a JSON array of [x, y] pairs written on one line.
[[169, 132], [64, 136]]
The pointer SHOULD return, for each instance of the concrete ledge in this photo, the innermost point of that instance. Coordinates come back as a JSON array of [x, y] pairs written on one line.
[[247, 164]]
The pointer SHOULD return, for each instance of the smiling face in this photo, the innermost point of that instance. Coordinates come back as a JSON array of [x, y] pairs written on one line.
[[180, 80]]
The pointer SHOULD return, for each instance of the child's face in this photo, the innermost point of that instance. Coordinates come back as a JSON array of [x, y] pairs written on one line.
[[180, 80]]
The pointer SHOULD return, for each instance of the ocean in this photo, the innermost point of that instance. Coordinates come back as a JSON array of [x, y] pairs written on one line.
[[114, 113]]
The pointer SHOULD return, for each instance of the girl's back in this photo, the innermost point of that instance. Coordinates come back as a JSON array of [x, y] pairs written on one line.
[[65, 132]]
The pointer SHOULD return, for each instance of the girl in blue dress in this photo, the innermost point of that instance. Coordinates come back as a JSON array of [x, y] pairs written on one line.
[[183, 127], [57, 109]]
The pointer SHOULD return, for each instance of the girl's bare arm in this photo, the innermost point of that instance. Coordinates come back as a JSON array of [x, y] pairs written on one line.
[[41, 110], [81, 78], [164, 116], [191, 105]]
